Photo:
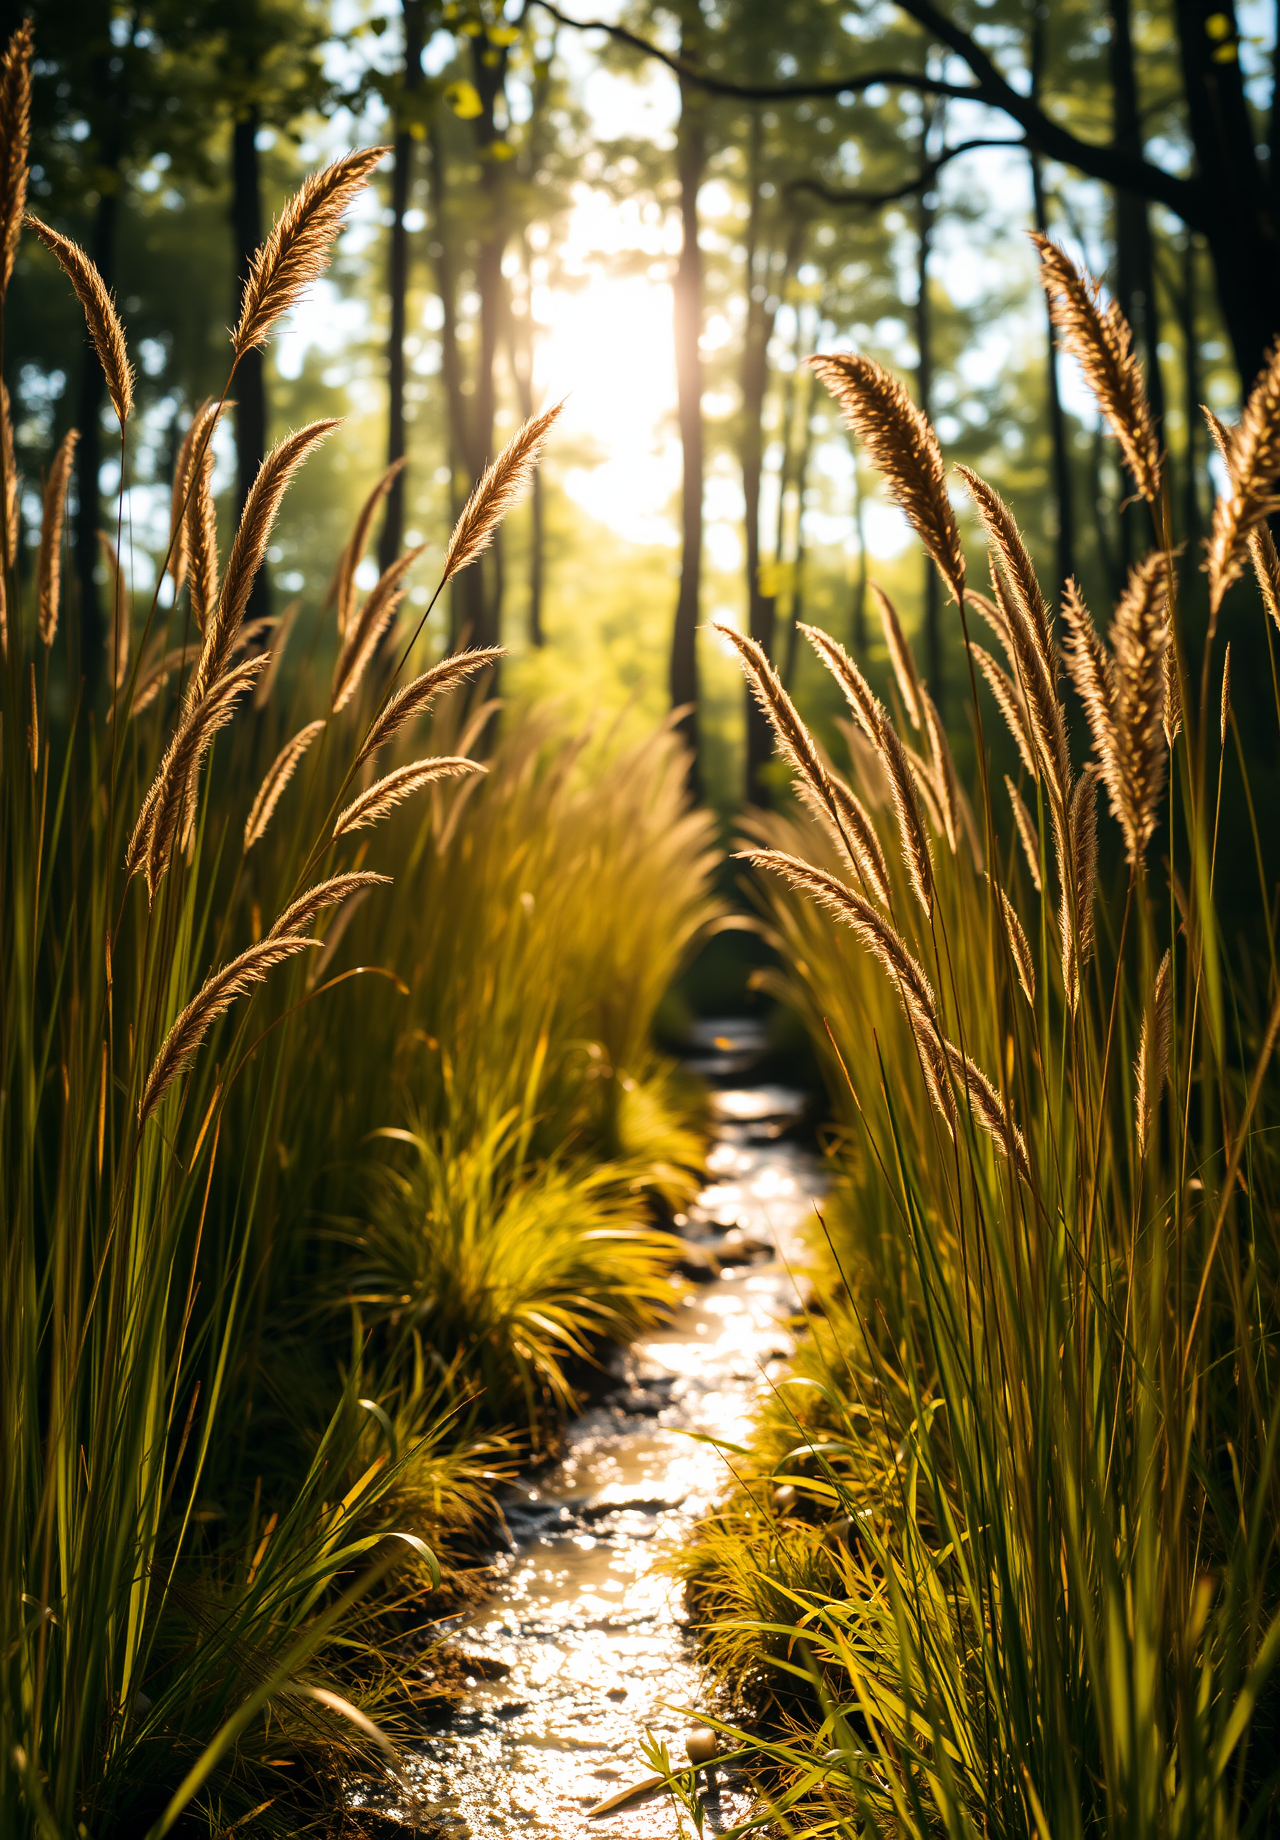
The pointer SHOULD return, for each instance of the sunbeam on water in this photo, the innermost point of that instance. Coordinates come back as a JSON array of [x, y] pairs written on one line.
[[583, 1648]]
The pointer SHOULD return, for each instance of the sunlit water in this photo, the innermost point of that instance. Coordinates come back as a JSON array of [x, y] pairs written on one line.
[[582, 1649]]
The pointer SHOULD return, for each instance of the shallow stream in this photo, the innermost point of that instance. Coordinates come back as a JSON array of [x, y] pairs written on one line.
[[582, 1647]]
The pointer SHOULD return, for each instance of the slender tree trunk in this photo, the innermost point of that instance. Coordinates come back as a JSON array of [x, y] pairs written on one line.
[[859, 623], [520, 333], [490, 79], [768, 607], [755, 373], [450, 363], [251, 394], [926, 208], [691, 158], [391, 537], [1243, 229], [88, 461], [1135, 267], [808, 393], [1191, 523], [1061, 453]]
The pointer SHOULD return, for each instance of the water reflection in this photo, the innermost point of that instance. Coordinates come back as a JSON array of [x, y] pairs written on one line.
[[582, 1647]]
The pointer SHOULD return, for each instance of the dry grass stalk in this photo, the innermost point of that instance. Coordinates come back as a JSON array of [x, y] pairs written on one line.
[[496, 490], [393, 788], [248, 548], [297, 251], [906, 805], [858, 834], [881, 939], [118, 634], [300, 913], [904, 447], [279, 640], [190, 447], [157, 667], [49, 567], [1226, 694], [1152, 1063], [200, 521], [1019, 950], [364, 634], [1035, 675], [213, 999], [10, 532], [278, 775], [988, 1109], [169, 797], [1026, 832], [15, 145], [100, 315], [1079, 884], [1098, 336], [342, 589], [1251, 451], [795, 743], [1019, 570], [417, 697], [904, 665], [1139, 639], [942, 770], [1012, 706], [1090, 671], [33, 719], [862, 700], [1266, 567]]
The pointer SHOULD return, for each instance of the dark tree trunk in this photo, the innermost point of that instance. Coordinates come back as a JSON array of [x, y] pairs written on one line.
[[1191, 522], [1242, 225], [691, 157], [808, 393], [391, 537], [1061, 453], [1065, 552], [521, 346], [450, 364], [926, 206], [755, 374], [250, 384], [89, 456], [859, 622]]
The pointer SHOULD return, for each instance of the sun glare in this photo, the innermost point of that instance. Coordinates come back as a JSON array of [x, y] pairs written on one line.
[[606, 345]]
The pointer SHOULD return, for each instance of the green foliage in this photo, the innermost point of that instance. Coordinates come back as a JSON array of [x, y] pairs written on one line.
[[1024, 1578]]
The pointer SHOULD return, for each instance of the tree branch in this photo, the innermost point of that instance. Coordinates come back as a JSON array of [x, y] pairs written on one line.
[[839, 195], [1128, 172]]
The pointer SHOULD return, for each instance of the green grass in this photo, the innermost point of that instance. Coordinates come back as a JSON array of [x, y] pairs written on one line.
[[1028, 1584], [231, 1478]]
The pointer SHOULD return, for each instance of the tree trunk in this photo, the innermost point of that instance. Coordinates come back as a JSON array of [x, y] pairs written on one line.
[[520, 331], [691, 156], [926, 211], [808, 393], [859, 622], [450, 363], [1191, 521], [1065, 553], [88, 461], [391, 537], [250, 384], [1061, 453], [1242, 228], [755, 372]]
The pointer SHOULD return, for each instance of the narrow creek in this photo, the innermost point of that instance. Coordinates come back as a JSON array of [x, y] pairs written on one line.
[[582, 1647]]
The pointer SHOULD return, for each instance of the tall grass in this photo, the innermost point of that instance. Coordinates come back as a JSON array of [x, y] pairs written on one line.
[[1028, 1581], [181, 1640]]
